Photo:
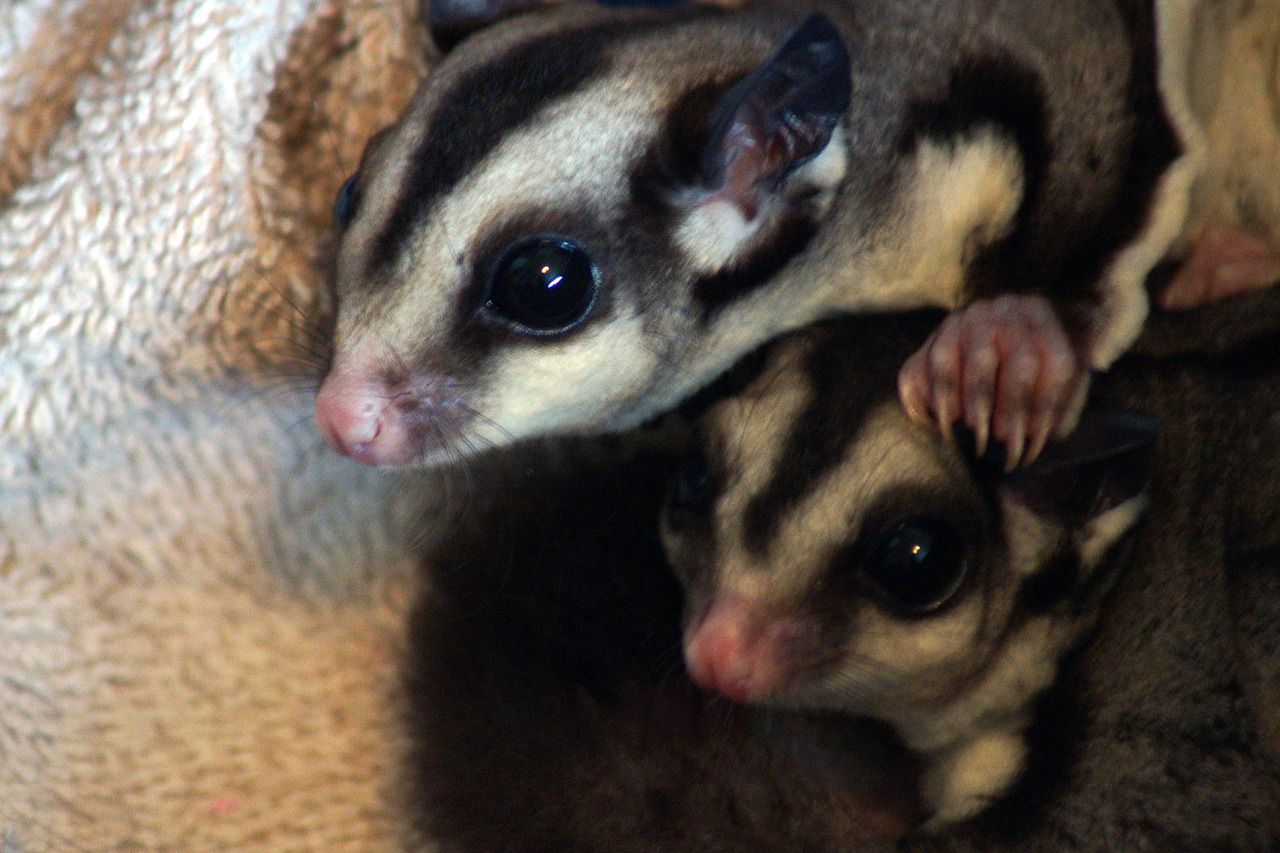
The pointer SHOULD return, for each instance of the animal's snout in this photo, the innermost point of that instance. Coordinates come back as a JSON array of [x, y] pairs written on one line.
[[358, 416], [740, 649]]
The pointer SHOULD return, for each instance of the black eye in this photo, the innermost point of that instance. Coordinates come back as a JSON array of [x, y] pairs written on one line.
[[344, 204], [919, 563], [691, 491], [543, 286]]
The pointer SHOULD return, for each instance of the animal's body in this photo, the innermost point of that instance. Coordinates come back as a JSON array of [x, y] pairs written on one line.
[[586, 214], [1121, 692], [1070, 688], [549, 709]]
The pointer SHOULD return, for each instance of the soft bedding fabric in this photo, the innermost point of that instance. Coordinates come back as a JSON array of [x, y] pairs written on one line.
[[198, 603]]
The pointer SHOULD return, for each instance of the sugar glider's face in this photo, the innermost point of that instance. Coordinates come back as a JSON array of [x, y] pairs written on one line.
[[534, 247], [837, 555]]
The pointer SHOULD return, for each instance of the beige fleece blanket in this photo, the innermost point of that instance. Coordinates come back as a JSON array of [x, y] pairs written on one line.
[[199, 605]]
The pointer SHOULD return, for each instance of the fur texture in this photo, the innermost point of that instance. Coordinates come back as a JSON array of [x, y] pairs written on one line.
[[549, 710], [810, 474], [1161, 732], [988, 146]]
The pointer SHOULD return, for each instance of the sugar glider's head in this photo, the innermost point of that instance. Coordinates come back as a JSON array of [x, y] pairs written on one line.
[[537, 244], [838, 555]]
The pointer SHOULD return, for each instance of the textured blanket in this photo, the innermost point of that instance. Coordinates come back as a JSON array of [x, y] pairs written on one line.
[[198, 603], [200, 607]]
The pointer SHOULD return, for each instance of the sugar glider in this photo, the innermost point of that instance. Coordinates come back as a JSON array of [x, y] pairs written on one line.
[[586, 213], [548, 709], [1065, 687]]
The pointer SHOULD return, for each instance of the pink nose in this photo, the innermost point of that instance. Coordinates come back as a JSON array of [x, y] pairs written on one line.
[[357, 417], [739, 650]]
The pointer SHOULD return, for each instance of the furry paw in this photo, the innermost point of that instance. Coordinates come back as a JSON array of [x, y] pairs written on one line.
[[1006, 368]]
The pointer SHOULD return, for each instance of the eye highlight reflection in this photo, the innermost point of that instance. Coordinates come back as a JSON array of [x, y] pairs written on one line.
[[542, 286]]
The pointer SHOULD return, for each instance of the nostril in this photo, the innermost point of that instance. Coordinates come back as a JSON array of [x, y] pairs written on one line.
[[385, 421], [349, 413], [406, 403], [740, 649], [362, 448], [719, 662]]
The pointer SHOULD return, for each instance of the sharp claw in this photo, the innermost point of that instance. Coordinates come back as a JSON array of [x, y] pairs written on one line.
[[945, 417], [979, 418], [982, 434], [1039, 440], [1014, 445], [913, 399]]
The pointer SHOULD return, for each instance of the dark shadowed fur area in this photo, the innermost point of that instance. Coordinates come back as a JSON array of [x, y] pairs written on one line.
[[1161, 733], [549, 708]]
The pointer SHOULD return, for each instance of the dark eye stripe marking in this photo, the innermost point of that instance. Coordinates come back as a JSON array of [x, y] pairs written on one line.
[[488, 103]]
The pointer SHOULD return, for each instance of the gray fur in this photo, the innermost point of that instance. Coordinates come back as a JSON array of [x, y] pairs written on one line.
[[1160, 730], [548, 709], [817, 454], [921, 198]]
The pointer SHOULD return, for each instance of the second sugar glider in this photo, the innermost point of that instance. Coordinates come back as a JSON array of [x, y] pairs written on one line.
[[548, 709], [1086, 683], [586, 213]]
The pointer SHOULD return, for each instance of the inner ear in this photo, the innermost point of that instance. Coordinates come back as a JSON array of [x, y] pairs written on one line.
[[451, 21], [780, 117], [1105, 462]]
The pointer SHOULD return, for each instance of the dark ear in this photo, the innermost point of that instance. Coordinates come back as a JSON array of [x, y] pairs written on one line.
[[1103, 463], [780, 116], [453, 20]]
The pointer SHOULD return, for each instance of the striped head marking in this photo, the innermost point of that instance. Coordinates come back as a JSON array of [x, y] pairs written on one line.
[[838, 556], [536, 246]]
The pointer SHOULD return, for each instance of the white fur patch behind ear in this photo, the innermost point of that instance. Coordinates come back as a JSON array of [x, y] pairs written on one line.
[[824, 173], [716, 232]]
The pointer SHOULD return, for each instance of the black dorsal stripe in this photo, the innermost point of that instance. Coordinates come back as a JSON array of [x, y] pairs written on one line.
[[490, 102], [850, 370]]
